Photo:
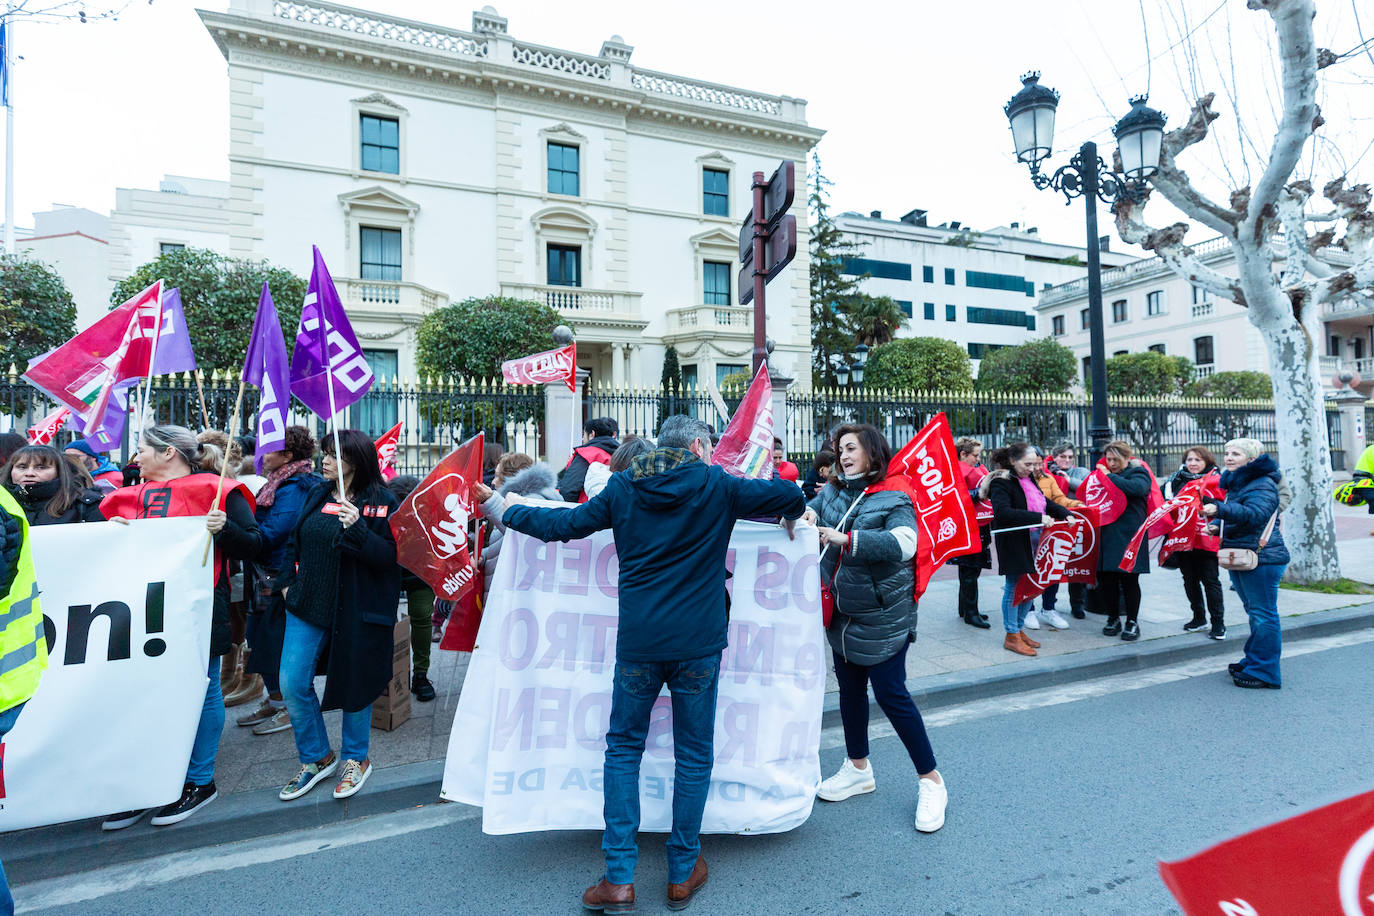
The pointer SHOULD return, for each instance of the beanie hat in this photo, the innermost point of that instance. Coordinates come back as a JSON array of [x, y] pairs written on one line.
[[84, 447]]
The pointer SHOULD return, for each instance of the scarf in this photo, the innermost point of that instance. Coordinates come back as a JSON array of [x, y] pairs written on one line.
[[268, 494], [1035, 497]]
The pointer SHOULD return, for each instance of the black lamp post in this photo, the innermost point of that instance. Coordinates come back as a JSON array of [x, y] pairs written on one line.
[[1139, 137]]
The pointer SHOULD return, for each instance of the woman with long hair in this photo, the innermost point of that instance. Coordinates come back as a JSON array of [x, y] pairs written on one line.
[[181, 479], [50, 488], [1117, 587], [342, 587], [1201, 576], [867, 526], [1017, 502]]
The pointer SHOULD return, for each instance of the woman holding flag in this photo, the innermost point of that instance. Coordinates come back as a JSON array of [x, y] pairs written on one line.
[[1129, 484], [867, 524], [1199, 565]]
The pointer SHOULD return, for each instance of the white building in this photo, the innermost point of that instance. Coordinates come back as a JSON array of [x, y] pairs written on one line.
[[974, 288], [431, 164], [1146, 306]]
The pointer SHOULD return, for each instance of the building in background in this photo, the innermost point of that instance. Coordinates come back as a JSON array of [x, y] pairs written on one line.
[[977, 289], [1146, 306], [431, 164]]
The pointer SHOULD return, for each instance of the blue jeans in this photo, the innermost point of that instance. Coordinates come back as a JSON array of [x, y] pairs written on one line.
[[1013, 615], [1258, 589], [300, 651], [692, 683], [7, 719], [201, 769]]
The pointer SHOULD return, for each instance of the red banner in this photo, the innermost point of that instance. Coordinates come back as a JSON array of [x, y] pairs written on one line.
[[946, 523], [746, 446], [1318, 862], [1057, 562], [1103, 495], [42, 433], [549, 366], [460, 633], [386, 450], [431, 527], [1180, 518]]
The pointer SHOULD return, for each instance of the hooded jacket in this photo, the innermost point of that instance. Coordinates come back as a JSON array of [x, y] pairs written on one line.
[[85, 507], [672, 516], [871, 579], [1252, 496], [570, 481]]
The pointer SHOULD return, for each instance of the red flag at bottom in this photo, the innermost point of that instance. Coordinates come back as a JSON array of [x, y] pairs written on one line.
[[1318, 862], [460, 633]]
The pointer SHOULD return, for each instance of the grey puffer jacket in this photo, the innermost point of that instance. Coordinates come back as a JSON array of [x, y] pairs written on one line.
[[871, 579]]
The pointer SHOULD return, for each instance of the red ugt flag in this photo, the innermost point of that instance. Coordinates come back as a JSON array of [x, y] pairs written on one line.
[[548, 366], [431, 527], [43, 432], [386, 450], [1059, 546], [1318, 862]]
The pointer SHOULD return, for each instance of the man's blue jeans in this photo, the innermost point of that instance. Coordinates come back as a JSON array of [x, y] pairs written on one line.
[[692, 684], [204, 750], [1258, 589], [300, 650], [7, 719]]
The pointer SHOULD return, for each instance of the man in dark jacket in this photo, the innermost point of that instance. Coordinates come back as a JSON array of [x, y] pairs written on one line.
[[672, 514], [598, 445]]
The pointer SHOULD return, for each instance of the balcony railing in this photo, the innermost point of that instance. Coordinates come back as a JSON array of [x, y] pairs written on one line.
[[1202, 309], [710, 319], [1349, 307], [578, 301], [401, 298], [1204, 371]]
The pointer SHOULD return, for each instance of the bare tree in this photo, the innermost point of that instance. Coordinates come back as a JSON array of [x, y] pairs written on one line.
[[1286, 269]]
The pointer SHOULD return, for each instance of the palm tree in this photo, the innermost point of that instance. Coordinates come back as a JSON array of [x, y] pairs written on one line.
[[875, 319]]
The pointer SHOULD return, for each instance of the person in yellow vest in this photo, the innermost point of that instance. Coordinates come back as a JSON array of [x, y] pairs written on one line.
[[23, 648]]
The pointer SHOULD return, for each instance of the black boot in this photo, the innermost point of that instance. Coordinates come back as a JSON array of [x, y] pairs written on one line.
[[976, 619], [1113, 627]]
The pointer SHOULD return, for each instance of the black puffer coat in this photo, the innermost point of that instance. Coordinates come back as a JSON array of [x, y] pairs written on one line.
[[872, 579], [1014, 554], [1135, 482], [34, 501]]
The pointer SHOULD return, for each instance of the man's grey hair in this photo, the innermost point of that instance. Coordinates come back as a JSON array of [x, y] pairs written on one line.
[[679, 430]]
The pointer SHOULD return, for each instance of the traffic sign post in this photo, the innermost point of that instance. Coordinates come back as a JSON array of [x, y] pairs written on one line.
[[767, 244]]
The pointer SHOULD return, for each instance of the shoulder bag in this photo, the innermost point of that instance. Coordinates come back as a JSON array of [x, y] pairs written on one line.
[[1243, 559], [828, 594]]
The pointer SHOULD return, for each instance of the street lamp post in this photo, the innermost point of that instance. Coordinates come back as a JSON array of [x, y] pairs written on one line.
[[1139, 136]]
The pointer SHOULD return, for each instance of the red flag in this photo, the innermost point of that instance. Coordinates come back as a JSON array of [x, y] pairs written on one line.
[[1103, 495], [431, 527], [83, 372], [945, 518], [746, 446], [386, 450], [1051, 557], [1180, 518], [1318, 862], [549, 366], [43, 432], [460, 633]]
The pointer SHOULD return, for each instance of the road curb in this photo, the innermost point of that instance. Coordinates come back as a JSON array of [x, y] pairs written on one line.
[[48, 852]]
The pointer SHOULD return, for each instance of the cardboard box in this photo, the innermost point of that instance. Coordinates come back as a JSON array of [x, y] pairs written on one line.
[[392, 708]]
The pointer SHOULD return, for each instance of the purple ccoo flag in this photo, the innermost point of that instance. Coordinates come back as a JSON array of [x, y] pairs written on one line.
[[328, 368], [265, 366], [173, 354]]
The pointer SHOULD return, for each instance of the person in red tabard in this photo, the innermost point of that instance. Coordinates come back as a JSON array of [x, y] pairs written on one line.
[[786, 469]]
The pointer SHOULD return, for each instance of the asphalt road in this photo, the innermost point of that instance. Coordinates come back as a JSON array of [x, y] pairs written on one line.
[[1058, 808]]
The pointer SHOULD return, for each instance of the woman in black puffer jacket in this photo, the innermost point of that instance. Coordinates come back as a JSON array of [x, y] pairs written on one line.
[[1115, 586], [49, 488], [867, 525]]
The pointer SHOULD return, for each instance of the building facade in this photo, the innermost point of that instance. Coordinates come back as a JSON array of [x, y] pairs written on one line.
[[1146, 306], [975, 288], [431, 165]]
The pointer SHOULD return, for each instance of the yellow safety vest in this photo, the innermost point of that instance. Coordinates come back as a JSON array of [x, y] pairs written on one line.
[[23, 648]]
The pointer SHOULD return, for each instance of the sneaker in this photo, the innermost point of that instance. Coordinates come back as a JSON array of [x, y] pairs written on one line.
[[1132, 631], [310, 774], [930, 805], [1218, 631], [848, 782], [1113, 627], [355, 773], [280, 722], [1032, 621], [1054, 620], [1196, 625], [1235, 667], [123, 819], [422, 688], [193, 798], [265, 710], [1252, 683]]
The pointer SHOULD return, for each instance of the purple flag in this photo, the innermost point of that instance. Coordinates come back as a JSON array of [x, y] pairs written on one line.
[[265, 366], [327, 354], [173, 354]]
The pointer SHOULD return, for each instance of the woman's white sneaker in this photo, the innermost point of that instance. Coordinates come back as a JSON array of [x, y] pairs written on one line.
[[848, 782], [1054, 620], [930, 805]]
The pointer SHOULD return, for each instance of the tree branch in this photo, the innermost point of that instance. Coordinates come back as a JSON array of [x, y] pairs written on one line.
[[1174, 183], [1168, 244]]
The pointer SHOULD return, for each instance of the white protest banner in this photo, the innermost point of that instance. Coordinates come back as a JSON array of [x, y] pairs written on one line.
[[127, 612], [528, 737]]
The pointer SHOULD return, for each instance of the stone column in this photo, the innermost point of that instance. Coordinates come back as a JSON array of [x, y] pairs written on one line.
[[780, 383], [618, 366], [562, 411]]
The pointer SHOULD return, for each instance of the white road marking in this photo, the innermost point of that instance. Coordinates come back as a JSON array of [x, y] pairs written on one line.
[[115, 879]]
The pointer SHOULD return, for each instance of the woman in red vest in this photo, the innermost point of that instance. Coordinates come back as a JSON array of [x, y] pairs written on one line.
[[181, 478]]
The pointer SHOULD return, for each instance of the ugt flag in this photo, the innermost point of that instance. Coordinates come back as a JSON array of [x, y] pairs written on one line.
[[431, 526], [1067, 553], [84, 372], [386, 450], [42, 433], [266, 367], [328, 369], [549, 366], [746, 446], [945, 518]]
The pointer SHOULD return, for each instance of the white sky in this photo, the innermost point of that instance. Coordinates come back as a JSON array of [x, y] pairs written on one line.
[[910, 93]]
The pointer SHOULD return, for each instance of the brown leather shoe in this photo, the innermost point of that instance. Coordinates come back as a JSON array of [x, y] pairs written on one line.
[[1027, 640], [1013, 643], [605, 897], [679, 895]]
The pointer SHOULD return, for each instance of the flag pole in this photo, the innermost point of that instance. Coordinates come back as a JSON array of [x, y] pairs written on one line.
[[8, 64], [204, 412], [333, 411], [152, 355], [1023, 528], [224, 464]]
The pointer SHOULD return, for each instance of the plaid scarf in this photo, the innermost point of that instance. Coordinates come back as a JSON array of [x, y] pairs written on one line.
[[268, 494]]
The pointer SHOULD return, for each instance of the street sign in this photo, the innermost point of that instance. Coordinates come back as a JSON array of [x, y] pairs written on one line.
[[779, 250], [746, 238], [777, 200]]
